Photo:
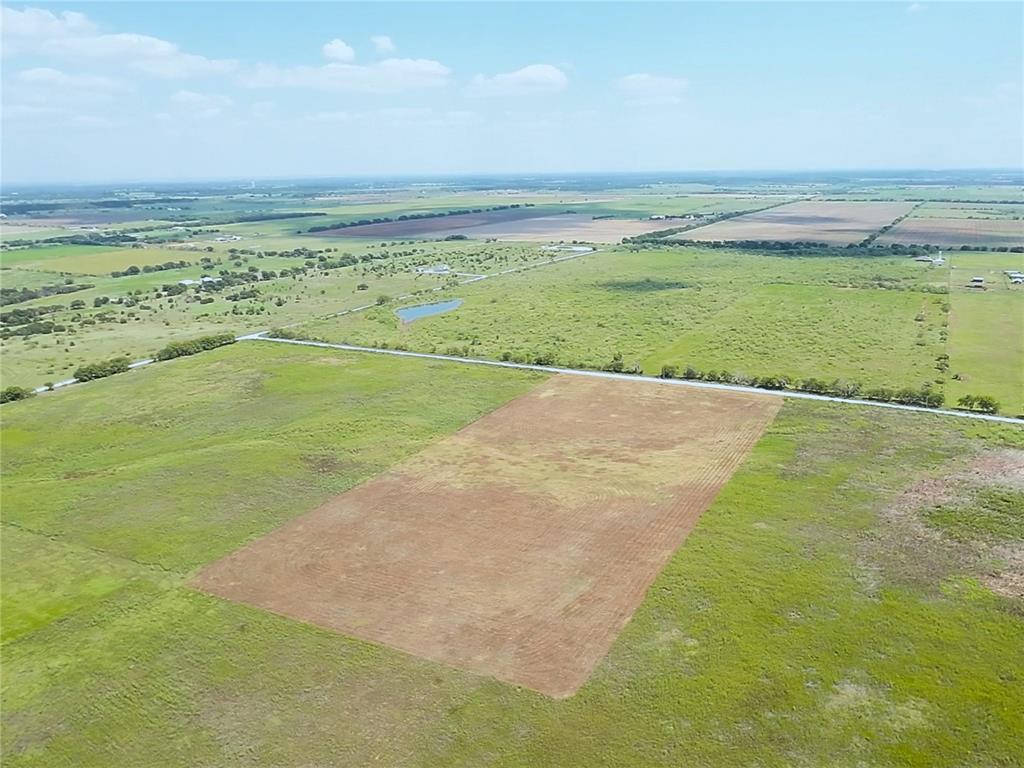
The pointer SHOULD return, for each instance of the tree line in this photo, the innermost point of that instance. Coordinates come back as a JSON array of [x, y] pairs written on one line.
[[19, 295]]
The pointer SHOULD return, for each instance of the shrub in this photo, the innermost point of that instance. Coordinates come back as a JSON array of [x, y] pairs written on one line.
[[102, 369], [668, 372], [194, 346], [10, 394], [982, 403]]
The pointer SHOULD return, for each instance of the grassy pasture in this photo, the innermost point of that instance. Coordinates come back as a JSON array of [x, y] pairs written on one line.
[[750, 313], [90, 259], [967, 210], [986, 347], [53, 357], [138, 332], [799, 624]]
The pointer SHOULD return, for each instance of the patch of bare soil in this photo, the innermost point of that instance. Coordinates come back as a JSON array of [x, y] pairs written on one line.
[[924, 552], [518, 547]]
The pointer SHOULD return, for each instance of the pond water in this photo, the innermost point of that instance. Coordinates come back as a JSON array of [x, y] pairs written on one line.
[[408, 314]]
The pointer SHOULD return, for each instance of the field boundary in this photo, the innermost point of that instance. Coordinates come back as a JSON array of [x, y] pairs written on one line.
[[634, 377]]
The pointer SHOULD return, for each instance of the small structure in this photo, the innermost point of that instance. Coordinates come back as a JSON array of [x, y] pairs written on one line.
[[437, 269], [188, 282], [977, 281], [206, 279]]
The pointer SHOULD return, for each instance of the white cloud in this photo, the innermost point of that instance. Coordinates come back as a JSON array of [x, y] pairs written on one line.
[[23, 29], [90, 121], [646, 88], [54, 78], [535, 78], [200, 105], [383, 44], [339, 50], [387, 76], [29, 111], [420, 117], [71, 35], [915, 7], [261, 110]]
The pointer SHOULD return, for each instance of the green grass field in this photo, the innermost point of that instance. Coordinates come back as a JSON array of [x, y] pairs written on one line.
[[749, 313], [90, 259], [799, 625], [986, 347]]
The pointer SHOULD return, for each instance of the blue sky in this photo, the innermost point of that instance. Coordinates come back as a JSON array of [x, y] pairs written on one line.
[[163, 91]]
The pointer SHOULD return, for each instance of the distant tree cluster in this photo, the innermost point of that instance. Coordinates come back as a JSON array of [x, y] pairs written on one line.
[[194, 346], [133, 270], [19, 295]]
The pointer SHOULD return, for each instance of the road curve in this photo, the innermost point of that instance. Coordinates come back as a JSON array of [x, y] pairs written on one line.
[[636, 378]]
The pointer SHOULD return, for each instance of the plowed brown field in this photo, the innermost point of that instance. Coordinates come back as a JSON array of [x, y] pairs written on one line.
[[818, 221], [518, 547]]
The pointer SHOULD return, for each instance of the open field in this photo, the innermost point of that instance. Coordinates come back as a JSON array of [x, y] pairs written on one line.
[[837, 223], [954, 232], [986, 347], [812, 586], [866, 320], [968, 211], [90, 259], [560, 559], [138, 331], [562, 227]]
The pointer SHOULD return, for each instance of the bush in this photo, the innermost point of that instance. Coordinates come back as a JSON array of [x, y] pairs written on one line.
[[668, 372], [102, 369], [10, 394], [194, 346], [982, 403]]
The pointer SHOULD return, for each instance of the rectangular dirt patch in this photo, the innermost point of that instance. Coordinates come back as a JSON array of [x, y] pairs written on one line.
[[518, 547]]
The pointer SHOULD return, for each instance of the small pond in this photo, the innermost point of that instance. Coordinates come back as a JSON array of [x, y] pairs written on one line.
[[408, 314]]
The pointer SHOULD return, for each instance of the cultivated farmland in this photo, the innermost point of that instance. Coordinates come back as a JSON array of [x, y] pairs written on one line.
[[432, 226], [836, 223], [953, 232], [571, 499], [566, 226]]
